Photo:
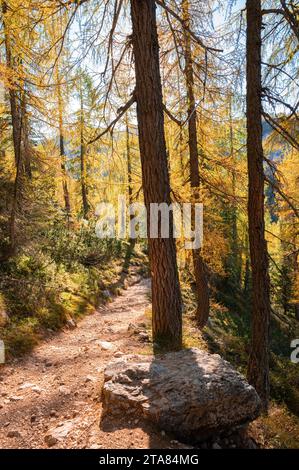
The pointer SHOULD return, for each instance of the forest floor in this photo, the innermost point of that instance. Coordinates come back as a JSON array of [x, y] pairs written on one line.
[[52, 397]]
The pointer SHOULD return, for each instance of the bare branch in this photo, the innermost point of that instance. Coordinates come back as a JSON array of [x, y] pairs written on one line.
[[194, 36], [172, 117], [281, 130], [282, 194], [121, 112]]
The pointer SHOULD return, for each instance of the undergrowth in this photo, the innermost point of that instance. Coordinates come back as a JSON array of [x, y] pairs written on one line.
[[66, 277]]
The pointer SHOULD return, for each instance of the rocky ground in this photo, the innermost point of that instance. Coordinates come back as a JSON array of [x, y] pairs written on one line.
[[52, 397]]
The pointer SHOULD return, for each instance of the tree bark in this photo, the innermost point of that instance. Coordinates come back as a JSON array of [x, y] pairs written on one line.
[[16, 120], [202, 287], [258, 367], [65, 188], [235, 248], [85, 204], [166, 295], [13, 99], [129, 175], [26, 148]]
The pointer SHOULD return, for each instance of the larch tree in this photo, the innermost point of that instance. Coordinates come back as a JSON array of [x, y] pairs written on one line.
[[83, 169], [202, 288], [258, 367], [14, 34], [65, 188], [166, 295]]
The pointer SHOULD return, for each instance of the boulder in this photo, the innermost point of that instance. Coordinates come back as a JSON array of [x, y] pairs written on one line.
[[190, 393]]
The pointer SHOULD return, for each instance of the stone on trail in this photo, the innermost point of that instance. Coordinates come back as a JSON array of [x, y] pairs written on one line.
[[15, 398], [106, 345], [26, 385], [37, 389], [16, 434], [70, 323], [59, 433], [191, 393]]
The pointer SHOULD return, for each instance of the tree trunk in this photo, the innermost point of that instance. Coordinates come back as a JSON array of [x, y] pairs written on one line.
[[202, 288], [85, 204], [166, 295], [65, 189], [235, 249], [129, 176], [16, 120], [26, 148], [13, 99], [258, 367]]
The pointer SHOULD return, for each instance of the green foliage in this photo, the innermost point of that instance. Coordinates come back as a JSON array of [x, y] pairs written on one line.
[[20, 336]]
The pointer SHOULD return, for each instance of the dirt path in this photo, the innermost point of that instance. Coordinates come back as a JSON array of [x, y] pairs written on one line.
[[52, 397]]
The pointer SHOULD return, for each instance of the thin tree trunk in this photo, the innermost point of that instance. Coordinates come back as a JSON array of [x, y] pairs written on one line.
[[180, 144], [25, 139], [295, 265], [166, 295], [129, 174], [202, 288], [85, 204], [65, 189], [258, 367], [235, 243]]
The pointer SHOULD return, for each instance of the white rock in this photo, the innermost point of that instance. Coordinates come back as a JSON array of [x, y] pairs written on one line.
[[71, 324], [37, 389], [26, 385], [59, 433], [106, 345], [64, 390], [15, 398], [118, 354]]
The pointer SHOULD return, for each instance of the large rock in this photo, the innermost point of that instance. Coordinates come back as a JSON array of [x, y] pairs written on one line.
[[190, 393]]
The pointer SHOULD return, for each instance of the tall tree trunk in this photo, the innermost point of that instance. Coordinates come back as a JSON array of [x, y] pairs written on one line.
[[26, 148], [13, 99], [16, 134], [166, 295], [85, 204], [65, 188], [180, 144], [235, 249], [202, 288], [258, 367], [129, 174]]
